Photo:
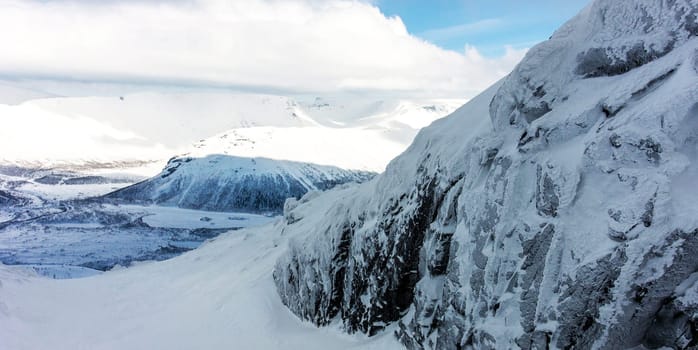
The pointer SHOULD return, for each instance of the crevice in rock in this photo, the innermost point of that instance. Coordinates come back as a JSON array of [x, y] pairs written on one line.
[[653, 85]]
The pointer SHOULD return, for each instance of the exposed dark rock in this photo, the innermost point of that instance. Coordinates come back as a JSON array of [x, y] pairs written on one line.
[[389, 279], [615, 140], [597, 62], [648, 214], [651, 148], [582, 298], [691, 24], [547, 199], [534, 253]]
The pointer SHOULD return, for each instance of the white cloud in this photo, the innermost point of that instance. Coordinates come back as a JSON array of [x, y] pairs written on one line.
[[294, 45]]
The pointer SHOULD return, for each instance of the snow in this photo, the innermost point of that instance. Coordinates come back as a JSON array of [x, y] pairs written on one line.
[[100, 236], [574, 187], [367, 149], [4, 216], [59, 271], [219, 296], [231, 183], [564, 196], [30, 133], [173, 217], [348, 132], [359, 136], [13, 95], [67, 192], [59, 232]]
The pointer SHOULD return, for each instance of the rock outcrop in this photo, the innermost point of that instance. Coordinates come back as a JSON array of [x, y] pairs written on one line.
[[555, 210]]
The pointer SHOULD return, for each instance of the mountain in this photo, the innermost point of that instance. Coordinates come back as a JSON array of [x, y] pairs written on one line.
[[256, 167], [227, 183], [83, 129], [365, 136], [555, 210], [61, 155]]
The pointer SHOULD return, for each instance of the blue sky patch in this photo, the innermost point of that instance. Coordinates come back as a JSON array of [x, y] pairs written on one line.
[[489, 25]]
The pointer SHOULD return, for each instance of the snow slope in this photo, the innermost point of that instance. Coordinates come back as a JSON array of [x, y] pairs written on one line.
[[552, 211], [13, 95], [358, 135], [220, 296], [365, 149]]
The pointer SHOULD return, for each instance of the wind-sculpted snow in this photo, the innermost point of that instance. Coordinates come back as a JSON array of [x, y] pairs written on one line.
[[555, 210], [227, 183]]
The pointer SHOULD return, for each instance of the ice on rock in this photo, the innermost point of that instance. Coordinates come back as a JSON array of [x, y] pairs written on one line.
[[553, 210]]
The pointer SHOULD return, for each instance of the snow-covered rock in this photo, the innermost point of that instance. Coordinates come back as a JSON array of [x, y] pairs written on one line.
[[226, 183], [555, 210]]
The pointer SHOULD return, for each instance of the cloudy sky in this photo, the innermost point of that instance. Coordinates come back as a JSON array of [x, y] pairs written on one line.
[[490, 26], [434, 48]]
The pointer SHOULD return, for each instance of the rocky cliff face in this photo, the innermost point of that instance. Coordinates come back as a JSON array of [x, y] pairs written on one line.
[[556, 210], [227, 183]]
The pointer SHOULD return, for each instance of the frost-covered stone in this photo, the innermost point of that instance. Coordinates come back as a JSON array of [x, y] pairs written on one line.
[[555, 210]]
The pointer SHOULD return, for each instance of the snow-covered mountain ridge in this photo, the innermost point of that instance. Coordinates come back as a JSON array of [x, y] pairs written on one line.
[[51, 131], [363, 136], [555, 210], [234, 184]]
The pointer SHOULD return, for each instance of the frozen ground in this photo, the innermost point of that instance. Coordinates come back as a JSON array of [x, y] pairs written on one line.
[[68, 192], [47, 225], [53, 221], [172, 217], [75, 236], [220, 296], [68, 182]]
